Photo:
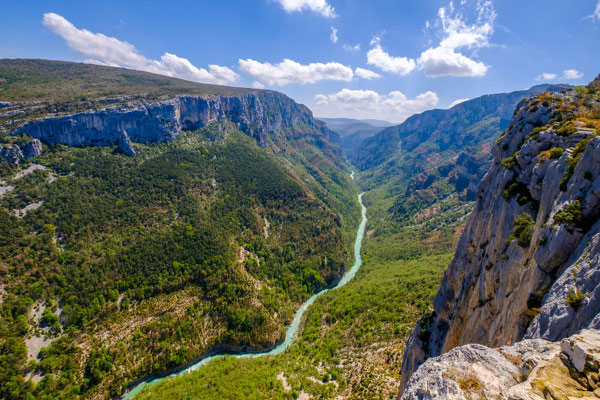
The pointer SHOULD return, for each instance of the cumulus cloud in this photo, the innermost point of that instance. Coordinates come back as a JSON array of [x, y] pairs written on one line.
[[289, 71], [394, 106], [546, 76], [568, 74], [366, 74], [378, 57], [468, 26], [98, 48], [572, 74], [443, 61], [320, 7], [457, 101], [465, 27], [333, 37]]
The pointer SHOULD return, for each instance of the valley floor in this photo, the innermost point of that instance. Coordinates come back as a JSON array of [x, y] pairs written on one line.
[[351, 345]]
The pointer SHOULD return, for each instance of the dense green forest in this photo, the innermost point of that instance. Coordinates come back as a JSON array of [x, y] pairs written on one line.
[[352, 340], [136, 265]]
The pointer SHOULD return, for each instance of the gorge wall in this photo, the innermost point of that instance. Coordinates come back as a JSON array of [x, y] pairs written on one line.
[[257, 114], [528, 263]]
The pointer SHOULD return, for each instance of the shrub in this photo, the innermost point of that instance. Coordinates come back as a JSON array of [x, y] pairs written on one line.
[[570, 215], [575, 299], [509, 162], [514, 188], [523, 229], [566, 130], [556, 152]]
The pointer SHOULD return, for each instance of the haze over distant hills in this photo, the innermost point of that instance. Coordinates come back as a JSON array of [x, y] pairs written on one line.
[[352, 132]]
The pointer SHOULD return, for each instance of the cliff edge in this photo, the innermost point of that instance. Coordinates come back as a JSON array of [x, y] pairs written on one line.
[[528, 263]]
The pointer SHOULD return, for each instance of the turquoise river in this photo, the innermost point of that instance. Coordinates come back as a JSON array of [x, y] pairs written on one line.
[[292, 331]]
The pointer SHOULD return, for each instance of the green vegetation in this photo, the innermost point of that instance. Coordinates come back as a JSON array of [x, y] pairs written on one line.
[[514, 188], [556, 152], [575, 299], [509, 162], [572, 162], [379, 306], [71, 83], [523, 229], [148, 265], [570, 215], [354, 335]]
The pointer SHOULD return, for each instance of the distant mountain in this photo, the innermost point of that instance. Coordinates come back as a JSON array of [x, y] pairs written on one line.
[[450, 146], [352, 132]]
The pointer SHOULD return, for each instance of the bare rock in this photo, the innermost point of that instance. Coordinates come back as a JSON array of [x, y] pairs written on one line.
[[497, 291], [529, 370]]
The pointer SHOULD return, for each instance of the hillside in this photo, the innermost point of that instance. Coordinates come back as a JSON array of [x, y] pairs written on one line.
[[526, 266], [62, 81], [148, 227]]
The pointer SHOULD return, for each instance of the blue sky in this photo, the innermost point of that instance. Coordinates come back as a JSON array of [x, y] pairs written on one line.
[[387, 59]]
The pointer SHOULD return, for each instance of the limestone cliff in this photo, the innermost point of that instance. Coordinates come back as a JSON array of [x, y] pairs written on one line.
[[261, 115], [15, 153], [528, 262]]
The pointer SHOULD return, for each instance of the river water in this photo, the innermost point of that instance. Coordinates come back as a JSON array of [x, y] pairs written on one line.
[[292, 331]]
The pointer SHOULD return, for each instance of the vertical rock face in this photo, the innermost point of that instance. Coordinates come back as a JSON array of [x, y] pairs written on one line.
[[528, 262], [256, 114]]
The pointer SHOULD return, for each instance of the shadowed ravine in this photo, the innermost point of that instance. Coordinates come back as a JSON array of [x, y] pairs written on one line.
[[292, 331]]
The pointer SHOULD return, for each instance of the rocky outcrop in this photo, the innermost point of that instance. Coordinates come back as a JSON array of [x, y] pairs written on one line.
[[532, 369], [257, 114], [528, 262], [15, 153]]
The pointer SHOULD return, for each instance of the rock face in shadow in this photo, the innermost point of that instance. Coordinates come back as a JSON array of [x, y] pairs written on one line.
[[528, 263], [259, 115]]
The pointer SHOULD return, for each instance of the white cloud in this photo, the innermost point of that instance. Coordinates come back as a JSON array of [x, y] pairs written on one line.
[[366, 74], [458, 33], [394, 106], [567, 74], [333, 37], [572, 74], [258, 85], [546, 76], [320, 7], [97, 48], [348, 47], [457, 101], [379, 58], [443, 61], [289, 71], [470, 28]]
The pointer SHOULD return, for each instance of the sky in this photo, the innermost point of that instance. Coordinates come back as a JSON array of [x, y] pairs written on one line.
[[380, 59]]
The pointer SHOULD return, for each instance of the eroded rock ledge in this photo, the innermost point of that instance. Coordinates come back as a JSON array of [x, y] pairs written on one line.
[[533, 369]]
